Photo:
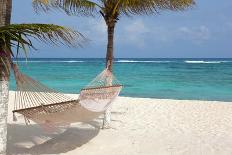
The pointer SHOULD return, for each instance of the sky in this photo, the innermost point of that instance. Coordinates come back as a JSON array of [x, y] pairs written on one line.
[[205, 31]]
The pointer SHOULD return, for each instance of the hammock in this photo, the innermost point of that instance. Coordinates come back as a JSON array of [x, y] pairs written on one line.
[[46, 106]]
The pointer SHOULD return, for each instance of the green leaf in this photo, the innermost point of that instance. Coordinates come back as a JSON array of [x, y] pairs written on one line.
[[20, 35]]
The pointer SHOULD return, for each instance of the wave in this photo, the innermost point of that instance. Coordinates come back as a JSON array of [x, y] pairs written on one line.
[[205, 62], [29, 61], [137, 61]]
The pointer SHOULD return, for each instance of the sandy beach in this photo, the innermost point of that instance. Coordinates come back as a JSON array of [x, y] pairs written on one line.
[[140, 126]]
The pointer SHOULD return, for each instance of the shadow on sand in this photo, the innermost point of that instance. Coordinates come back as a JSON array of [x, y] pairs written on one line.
[[32, 139]]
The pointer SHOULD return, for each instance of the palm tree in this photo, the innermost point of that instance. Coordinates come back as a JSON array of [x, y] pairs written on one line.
[[18, 36], [111, 11]]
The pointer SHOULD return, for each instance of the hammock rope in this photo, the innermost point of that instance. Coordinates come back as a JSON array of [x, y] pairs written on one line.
[[44, 105]]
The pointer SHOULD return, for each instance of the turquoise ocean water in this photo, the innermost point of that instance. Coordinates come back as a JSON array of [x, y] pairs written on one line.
[[192, 79]]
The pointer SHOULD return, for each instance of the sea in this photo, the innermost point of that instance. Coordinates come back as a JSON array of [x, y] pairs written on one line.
[[162, 78]]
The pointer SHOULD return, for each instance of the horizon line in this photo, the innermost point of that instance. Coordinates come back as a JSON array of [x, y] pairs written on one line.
[[125, 58]]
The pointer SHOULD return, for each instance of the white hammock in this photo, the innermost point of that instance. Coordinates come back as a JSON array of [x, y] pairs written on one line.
[[44, 105]]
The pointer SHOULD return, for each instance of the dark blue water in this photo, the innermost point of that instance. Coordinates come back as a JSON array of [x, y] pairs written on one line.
[[197, 79]]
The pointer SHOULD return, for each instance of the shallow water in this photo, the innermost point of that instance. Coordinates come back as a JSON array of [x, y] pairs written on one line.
[[194, 79]]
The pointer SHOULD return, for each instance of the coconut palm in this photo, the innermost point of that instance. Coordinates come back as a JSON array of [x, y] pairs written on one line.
[[16, 37], [111, 11]]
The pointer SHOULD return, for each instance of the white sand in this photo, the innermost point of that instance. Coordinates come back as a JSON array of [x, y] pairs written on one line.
[[139, 127]]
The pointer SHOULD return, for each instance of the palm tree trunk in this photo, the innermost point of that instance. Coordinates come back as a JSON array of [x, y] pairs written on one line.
[[5, 16], [109, 64], [5, 12], [4, 96], [110, 47]]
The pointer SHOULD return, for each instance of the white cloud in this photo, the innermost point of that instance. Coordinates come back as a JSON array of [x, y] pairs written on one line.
[[135, 33], [95, 30], [138, 33], [198, 34], [137, 26]]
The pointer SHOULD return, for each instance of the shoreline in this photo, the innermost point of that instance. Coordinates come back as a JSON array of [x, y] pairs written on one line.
[[171, 99], [139, 126], [120, 96]]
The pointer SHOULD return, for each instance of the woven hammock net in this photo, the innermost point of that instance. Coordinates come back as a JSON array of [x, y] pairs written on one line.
[[47, 106]]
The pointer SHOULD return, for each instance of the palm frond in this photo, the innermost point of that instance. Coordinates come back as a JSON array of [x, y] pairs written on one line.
[[20, 35], [141, 7], [77, 7]]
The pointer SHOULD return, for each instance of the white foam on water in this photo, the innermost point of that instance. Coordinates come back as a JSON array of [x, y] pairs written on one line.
[[71, 61], [205, 62], [136, 61]]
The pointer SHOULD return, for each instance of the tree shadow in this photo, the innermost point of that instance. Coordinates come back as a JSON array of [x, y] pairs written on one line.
[[32, 139]]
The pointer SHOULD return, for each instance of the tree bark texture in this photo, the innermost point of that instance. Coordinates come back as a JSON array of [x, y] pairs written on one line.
[[5, 17]]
